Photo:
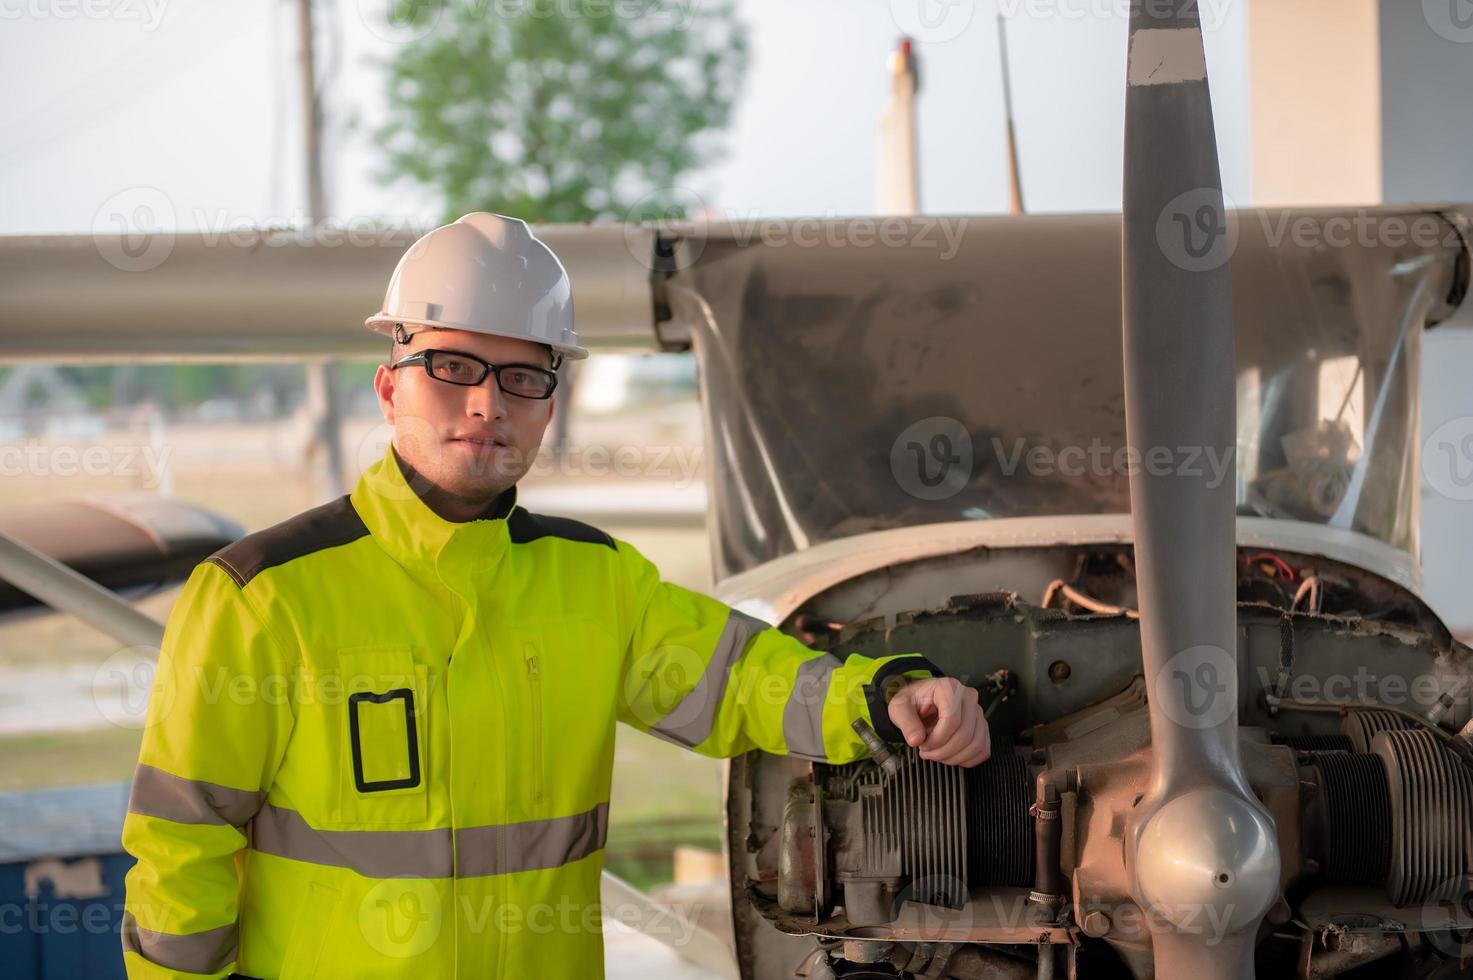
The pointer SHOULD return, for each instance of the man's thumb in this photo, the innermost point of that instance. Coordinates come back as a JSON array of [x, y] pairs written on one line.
[[906, 718]]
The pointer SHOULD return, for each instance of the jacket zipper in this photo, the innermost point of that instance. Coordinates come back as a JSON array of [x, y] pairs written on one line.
[[534, 680]]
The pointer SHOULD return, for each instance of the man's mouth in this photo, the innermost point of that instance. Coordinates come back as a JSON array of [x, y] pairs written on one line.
[[488, 441]]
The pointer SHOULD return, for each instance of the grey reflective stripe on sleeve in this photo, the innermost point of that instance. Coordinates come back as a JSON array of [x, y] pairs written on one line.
[[198, 952], [803, 714], [472, 851], [689, 723], [157, 793], [531, 845]]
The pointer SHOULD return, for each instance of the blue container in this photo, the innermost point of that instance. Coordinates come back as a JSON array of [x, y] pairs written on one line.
[[61, 883]]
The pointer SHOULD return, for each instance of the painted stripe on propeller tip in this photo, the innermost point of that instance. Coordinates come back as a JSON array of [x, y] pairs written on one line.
[[1166, 56]]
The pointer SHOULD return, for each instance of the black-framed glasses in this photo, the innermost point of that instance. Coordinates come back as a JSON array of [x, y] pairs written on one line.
[[453, 367]]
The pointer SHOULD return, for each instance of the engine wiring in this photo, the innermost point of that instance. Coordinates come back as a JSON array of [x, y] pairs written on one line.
[[1314, 589], [1059, 587]]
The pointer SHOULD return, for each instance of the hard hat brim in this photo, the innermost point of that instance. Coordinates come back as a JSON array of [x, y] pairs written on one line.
[[383, 323]]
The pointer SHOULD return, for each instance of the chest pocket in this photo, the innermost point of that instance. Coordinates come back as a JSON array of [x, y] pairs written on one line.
[[383, 727]]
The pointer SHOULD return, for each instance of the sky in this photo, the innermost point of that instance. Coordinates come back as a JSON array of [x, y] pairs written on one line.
[[199, 101]]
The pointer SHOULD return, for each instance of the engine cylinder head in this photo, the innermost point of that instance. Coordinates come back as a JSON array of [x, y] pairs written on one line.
[[1431, 817]]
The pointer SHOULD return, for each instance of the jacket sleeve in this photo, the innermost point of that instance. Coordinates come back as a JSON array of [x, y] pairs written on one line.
[[719, 682], [216, 727]]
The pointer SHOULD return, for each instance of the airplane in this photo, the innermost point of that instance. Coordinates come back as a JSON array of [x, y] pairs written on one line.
[[1147, 481]]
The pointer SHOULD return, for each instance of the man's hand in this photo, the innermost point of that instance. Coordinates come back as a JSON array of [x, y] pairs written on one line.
[[941, 716]]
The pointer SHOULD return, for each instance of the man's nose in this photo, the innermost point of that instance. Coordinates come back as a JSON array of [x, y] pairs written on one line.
[[486, 400]]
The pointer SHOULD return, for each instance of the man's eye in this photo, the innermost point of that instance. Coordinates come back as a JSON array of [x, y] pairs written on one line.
[[519, 377]]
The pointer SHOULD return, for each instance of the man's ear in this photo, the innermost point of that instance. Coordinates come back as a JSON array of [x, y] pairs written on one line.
[[383, 387]]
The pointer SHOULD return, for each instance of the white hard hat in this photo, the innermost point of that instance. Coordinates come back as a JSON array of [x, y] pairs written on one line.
[[486, 273]]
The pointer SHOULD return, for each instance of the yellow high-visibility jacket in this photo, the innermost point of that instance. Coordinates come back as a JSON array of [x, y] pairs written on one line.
[[380, 743]]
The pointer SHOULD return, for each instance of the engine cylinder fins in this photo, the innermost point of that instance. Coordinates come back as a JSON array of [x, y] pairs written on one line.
[[1363, 726], [921, 812], [1317, 743], [1355, 803], [1431, 818], [999, 793]]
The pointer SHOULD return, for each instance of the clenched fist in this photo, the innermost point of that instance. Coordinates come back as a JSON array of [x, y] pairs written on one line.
[[941, 716]]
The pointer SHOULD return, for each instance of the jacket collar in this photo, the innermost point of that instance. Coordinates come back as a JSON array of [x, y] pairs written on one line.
[[388, 499]]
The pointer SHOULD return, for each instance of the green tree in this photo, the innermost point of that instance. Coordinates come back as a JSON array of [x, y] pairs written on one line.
[[561, 110]]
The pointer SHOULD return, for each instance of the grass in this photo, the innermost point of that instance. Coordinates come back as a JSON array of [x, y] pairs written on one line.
[[50, 759]]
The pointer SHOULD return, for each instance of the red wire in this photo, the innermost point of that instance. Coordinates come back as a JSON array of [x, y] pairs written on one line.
[[1282, 565]]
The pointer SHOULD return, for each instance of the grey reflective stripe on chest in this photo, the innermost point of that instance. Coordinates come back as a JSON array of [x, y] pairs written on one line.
[[690, 728], [439, 852]]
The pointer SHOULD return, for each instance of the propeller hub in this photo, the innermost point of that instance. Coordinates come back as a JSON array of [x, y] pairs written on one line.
[[1208, 862]]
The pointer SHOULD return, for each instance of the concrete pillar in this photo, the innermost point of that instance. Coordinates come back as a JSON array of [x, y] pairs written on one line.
[[1361, 101]]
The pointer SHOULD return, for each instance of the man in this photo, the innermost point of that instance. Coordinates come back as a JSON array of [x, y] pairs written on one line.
[[381, 736]]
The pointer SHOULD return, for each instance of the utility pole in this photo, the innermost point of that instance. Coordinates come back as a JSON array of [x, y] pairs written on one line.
[[1015, 178], [322, 398]]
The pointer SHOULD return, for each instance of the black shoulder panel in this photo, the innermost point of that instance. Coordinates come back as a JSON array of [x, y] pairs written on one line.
[[332, 524], [526, 526]]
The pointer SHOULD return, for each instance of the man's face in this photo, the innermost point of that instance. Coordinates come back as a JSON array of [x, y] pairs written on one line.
[[470, 441]]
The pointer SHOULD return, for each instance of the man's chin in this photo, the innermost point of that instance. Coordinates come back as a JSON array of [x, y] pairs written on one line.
[[485, 464]]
